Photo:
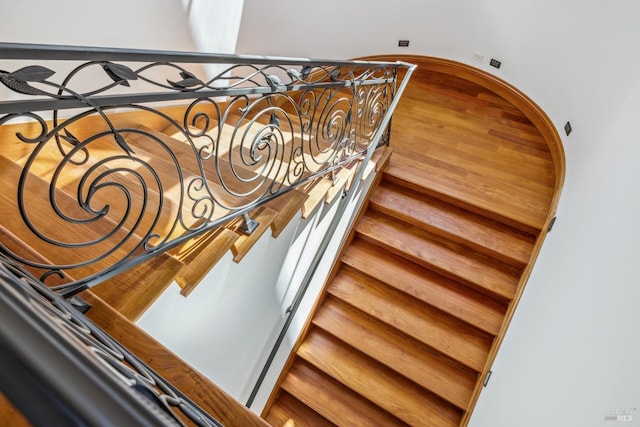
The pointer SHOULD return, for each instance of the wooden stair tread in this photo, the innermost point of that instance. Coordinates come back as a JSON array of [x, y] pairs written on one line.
[[200, 255], [325, 189], [191, 167], [146, 209], [395, 394], [117, 170], [532, 173], [406, 356], [503, 202], [234, 146], [244, 243], [481, 124], [491, 277], [481, 234], [10, 415], [430, 287], [16, 246], [290, 412], [332, 400], [131, 292], [316, 195], [453, 338], [134, 290], [286, 205], [339, 184]]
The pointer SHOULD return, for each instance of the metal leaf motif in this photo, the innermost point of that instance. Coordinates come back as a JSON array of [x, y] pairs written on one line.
[[294, 74], [335, 74], [32, 73], [186, 83], [306, 70], [187, 75], [19, 85], [273, 81], [119, 73]]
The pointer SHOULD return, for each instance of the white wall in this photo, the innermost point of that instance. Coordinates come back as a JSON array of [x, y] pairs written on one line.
[[571, 351], [223, 326], [145, 24], [214, 24]]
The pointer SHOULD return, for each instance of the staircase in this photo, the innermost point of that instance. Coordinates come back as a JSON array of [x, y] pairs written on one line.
[[417, 304], [171, 188], [419, 301]]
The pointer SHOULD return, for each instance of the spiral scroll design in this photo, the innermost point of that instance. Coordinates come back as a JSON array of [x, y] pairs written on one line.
[[95, 192], [372, 105]]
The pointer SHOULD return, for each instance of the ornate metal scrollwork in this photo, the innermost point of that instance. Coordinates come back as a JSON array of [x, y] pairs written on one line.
[[98, 193], [120, 374]]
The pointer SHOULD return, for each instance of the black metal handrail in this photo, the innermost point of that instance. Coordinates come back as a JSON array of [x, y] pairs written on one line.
[[254, 129], [58, 368]]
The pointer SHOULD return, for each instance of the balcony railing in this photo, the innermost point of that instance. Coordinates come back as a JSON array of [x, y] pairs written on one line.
[[125, 154], [58, 368]]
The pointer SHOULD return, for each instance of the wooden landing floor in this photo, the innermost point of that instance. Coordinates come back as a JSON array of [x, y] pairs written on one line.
[[470, 144]]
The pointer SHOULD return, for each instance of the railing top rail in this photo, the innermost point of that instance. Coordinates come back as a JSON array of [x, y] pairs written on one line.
[[26, 51]]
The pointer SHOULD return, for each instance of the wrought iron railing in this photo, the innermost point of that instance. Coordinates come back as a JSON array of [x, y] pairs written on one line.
[[58, 368], [99, 193]]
